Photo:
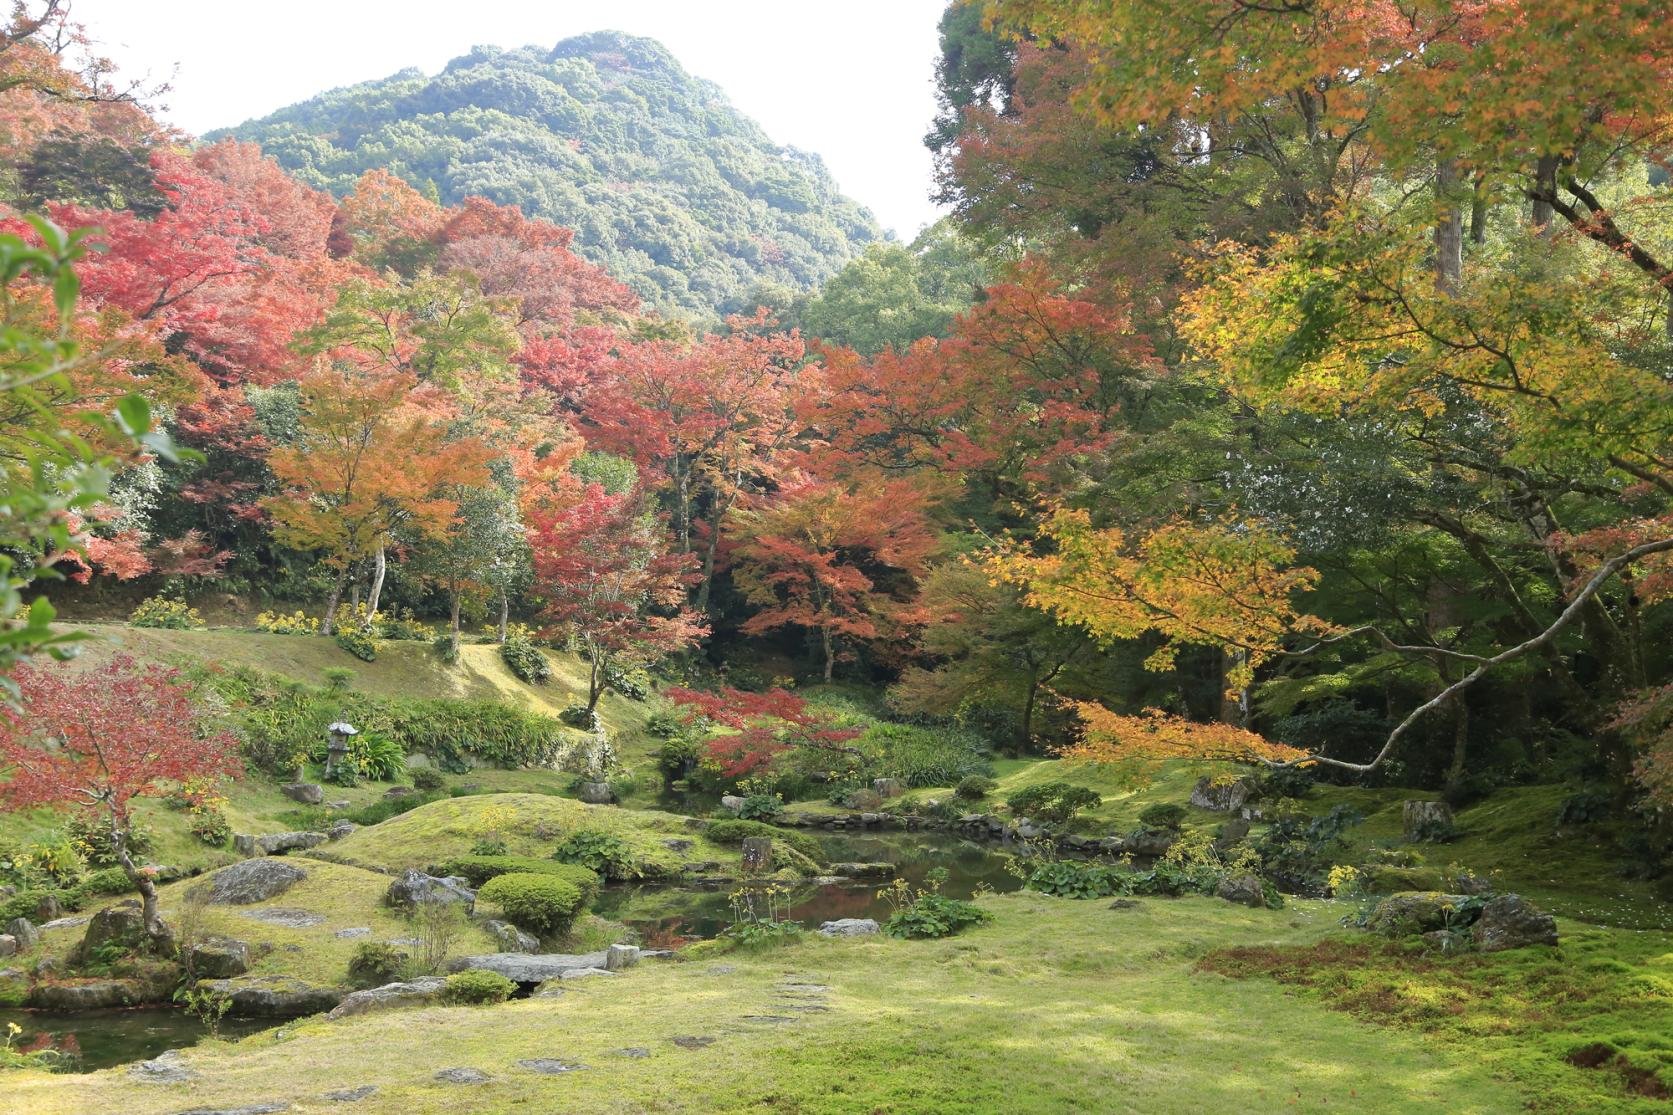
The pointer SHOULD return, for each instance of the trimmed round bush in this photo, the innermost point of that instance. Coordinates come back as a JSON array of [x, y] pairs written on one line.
[[974, 787], [427, 778], [540, 903], [477, 987], [1163, 815], [480, 869], [376, 963]]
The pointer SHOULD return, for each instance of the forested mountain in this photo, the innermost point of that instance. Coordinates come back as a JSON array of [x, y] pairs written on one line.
[[665, 183]]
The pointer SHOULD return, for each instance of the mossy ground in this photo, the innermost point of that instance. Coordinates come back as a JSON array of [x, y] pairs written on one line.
[[1054, 1006]]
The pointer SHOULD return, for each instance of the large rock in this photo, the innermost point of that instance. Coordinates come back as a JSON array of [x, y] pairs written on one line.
[[274, 996], [597, 793], [731, 802], [520, 967], [88, 994], [1222, 795], [849, 927], [8, 945], [168, 1067], [24, 932], [308, 793], [1512, 922], [618, 957], [218, 958], [120, 926], [276, 843], [1149, 842], [425, 989], [415, 887], [1428, 820], [886, 787], [254, 880], [510, 938], [1410, 913], [757, 855], [340, 829], [1245, 890]]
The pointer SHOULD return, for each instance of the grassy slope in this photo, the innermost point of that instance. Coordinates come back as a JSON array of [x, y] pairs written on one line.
[[1056, 1006]]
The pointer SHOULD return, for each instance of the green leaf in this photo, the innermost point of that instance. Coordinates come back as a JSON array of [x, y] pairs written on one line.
[[66, 286], [134, 415]]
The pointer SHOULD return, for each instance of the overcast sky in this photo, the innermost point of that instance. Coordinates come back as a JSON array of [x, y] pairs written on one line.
[[851, 81]]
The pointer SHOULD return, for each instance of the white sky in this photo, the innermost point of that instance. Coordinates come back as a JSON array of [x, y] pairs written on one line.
[[851, 81]]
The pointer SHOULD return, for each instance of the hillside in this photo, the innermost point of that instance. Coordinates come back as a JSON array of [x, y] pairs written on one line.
[[665, 183]]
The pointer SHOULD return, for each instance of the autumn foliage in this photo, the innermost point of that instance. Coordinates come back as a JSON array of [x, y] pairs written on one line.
[[757, 727]]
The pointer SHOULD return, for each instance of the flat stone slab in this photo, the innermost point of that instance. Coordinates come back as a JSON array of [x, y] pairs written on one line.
[[584, 973], [349, 1095], [550, 1066], [285, 917], [462, 1076], [693, 1041], [769, 1019], [849, 927], [634, 1051], [351, 934], [252, 881], [164, 1068], [425, 989], [530, 967], [67, 923], [251, 1109]]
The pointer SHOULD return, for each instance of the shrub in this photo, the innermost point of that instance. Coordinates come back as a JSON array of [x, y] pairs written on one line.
[[23, 903], [376, 963], [934, 915], [540, 903], [760, 807], [211, 826], [159, 611], [1587, 806], [736, 832], [278, 623], [577, 716], [635, 685], [677, 756], [923, 755], [1052, 803], [403, 625], [477, 987], [107, 883], [358, 643], [1163, 815], [480, 869], [974, 787], [599, 851], [427, 778], [443, 646], [91, 837], [525, 661]]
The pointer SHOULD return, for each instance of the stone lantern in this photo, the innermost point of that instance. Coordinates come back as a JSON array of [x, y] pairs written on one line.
[[337, 744]]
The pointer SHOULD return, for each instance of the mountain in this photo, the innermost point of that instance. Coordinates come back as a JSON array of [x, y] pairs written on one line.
[[676, 192]]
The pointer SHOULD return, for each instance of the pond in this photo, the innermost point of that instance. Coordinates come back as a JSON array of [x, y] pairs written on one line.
[[664, 914], [98, 1039]]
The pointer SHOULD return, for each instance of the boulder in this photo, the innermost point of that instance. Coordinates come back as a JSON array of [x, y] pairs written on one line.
[[758, 855], [121, 926], [1428, 820], [276, 843], [308, 793], [274, 996], [8, 945], [596, 793], [23, 931], [1232, 832], [48, 908], [864, 870], [618, 957], [1245, 890], [254, 880], [521, 967], [410, 993], [1446, 940], [415, 887], [510, 938], [340, 829], [166, 1068], [398, 792], [1028, 830], [1222, 796], [1412, 912], [1470, 883], [849, 927], [1149, 842], [218, 958], [1512, 922], [886, 787], [731, 802], [88, 994]]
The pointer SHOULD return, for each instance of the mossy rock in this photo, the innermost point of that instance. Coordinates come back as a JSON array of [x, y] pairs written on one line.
[[1386, 879], [1412, 912]]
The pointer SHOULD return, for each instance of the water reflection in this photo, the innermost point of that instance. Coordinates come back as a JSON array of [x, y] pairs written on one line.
[[98, 1039]]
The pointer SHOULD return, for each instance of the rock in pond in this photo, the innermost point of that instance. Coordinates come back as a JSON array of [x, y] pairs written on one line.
[[522, 967], [307, 793], [274, 996], [276, 843], [1512, 922], [849, 927], [1245, 890], [409, 993], [255, 880], [219, 958], [414, 887], [89, 994], [864, 870]]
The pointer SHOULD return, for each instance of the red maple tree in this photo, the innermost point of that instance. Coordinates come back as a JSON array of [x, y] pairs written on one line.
[[102, 737], [762, 726]]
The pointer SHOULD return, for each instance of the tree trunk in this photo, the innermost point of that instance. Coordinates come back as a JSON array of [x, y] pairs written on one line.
[[1478, 211], [1460, 742], [1449, 228], [505, 614], [141, 881], [380, 566], [708, 580], [830, 657], [595, 682], [329, 626], [453, 629], [1545, 185], [1027, 732]]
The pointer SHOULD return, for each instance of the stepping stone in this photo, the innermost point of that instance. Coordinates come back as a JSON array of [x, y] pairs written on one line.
[[462, 1076], [693, 1041], [809, 1008], [351, 934], [165, 1068], [719, 970], [584, 973], [1123, 904], [349, 1095], [252, 1109], [285, 917], [807, 987], [550, 1066], [633, 1051], [66, 923], [770, 1019]]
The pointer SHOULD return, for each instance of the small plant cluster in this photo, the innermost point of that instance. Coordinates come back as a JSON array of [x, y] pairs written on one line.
[[635, 685], [171, 615], [402, 625], [1298, 850], [1052, 803], [293, 623], [44, 1059], [924, 912], [525, 661], [480, 869], [974, 787], [601, 852], [542, 903], [358, 643], [758, 917], [428, 778], [477, 987]]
